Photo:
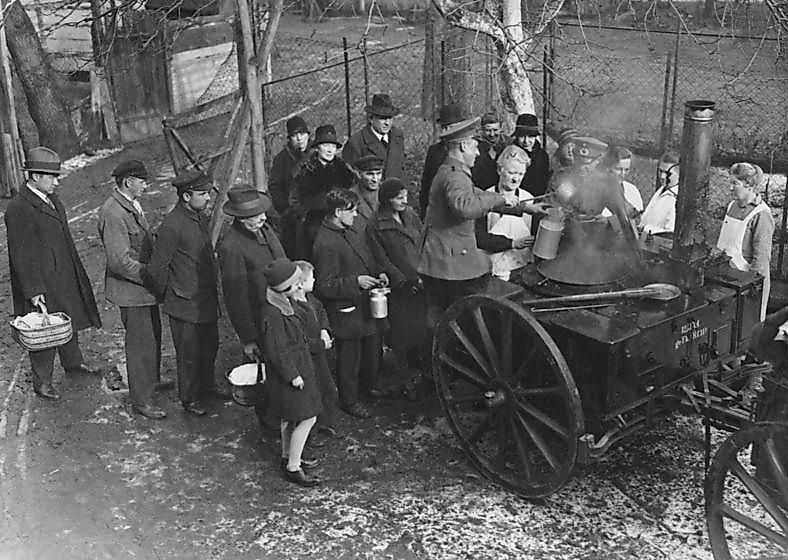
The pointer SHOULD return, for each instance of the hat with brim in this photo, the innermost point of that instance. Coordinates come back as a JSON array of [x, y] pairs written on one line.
[[382, 106], [460, 130], [192, 180], [326, 134], [130, 168], [245, 202], [43, 160], [281, 274], [527, 125]]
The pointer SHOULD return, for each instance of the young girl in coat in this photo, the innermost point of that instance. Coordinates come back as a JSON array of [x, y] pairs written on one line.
[[295, 396]]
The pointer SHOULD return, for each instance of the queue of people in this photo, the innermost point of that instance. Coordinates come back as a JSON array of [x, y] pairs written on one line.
[[297, 266]]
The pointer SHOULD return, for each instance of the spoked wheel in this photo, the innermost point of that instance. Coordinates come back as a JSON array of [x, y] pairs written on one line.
[[508, 394], [747, 495]]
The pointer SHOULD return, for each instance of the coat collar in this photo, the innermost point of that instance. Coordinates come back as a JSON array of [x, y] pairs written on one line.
[[280, 301], [127, 205], [182, 208], [266, 232], [351, 237], [375, 145], [36, 201]]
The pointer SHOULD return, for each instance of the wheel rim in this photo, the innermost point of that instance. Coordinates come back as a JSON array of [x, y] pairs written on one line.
[[508, 394], [747, 494]]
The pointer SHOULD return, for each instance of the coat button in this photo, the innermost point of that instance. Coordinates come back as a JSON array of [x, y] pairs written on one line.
[[464, 252]]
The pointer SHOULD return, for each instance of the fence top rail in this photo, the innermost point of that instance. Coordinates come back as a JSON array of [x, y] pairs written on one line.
[[682, 31]]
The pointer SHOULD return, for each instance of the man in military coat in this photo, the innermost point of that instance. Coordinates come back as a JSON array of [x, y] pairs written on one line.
[[46, 272], [182, 273], [450, 262], [379, 138], [128, 241]]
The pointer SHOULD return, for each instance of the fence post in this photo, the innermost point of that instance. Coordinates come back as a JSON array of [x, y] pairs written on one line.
[[675, 79], [552, 66], [443, 73], [366, 70], [347, 85], [663, 120], [545, 95]]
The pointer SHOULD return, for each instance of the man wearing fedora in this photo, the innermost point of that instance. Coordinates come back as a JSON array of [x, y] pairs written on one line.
[[321, 172], [244, 252], [128, 243], [182, 274], [491, 143], [526, 136], [46, 272], [379, 138], [436, 153], [450, 262], [282, 177]]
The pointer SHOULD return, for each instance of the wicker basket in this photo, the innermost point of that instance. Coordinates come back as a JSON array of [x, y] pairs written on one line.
[[45, 336]]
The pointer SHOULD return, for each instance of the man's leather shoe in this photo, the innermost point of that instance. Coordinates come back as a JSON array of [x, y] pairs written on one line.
[[194, 408], [150, 411], [47, 391], [358, 410], [301, 478], [307, 463], [85, 369]]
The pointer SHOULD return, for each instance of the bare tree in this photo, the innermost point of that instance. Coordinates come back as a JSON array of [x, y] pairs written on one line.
[[502, 21]]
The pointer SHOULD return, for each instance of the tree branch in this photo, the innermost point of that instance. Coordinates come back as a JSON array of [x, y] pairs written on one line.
[[458, 15]]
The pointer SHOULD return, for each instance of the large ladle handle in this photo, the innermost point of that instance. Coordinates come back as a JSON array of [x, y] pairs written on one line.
[[595, 296]]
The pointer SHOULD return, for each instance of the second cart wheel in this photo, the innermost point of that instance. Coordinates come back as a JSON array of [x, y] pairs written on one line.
[[508, 394], [747, 494]]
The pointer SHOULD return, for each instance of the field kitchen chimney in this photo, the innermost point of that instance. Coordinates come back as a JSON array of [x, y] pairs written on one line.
[[689, 237]]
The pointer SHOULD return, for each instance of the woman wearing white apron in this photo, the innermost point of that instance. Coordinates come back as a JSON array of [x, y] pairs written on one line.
[[746, 234], [507, 237], [660, 213]]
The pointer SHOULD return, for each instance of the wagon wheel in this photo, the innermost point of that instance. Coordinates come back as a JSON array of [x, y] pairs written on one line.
[[508, 394], [747, 494]]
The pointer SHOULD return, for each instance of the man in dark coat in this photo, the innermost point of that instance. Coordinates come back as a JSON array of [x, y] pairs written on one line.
[[450, 262], [491, 143], [244, 252], [379, 138], [345, 271], [370, 170], [322, 171], [436, 153], [45, 267], [128, 242], [183, 274], [526, 136], [282, 177]]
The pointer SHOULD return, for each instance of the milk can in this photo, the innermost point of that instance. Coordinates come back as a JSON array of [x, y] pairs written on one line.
[[379, 303], [548, 236]]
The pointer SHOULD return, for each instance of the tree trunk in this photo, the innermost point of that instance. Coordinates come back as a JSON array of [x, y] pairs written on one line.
[[516, 92], [55, 129], [457, 70], [430, 91]]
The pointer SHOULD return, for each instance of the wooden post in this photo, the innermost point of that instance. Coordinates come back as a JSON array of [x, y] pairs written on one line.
[[11, 144], [253, 93]]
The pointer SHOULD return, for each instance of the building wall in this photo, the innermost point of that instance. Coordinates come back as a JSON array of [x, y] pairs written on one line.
[[64, 29]]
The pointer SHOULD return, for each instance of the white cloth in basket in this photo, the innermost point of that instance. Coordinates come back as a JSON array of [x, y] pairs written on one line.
[[35, 320]]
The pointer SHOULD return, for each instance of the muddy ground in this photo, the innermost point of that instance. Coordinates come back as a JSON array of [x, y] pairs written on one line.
[[85, 478]]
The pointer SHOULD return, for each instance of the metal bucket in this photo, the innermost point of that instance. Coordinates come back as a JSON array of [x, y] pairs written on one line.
[[247, 383], [547, 238]]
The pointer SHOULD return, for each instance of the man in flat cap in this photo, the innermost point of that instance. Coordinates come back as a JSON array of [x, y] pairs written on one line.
[[370, 170], [379, 137], [182, 273], [46, 272], [244, 252], [282, 177], [526, 136], [436, 153], [128, 243], [491, 144], [451, 264]]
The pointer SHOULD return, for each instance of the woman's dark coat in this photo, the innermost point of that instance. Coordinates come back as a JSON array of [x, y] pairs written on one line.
[[44, 260], [313, 180], [396, 245], [286, 349]]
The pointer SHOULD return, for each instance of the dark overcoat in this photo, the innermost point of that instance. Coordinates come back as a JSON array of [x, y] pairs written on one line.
[[43, 260], [364, 142], [537, 176], [315, 319], [313, 180], [281, 179], [182, 270], [341, 255], [436, 153], [286, 349], [242, 257], [485, 168], [396, 245], [449, 251]]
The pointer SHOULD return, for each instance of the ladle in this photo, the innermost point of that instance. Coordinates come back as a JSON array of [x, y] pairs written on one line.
[[658, 291]]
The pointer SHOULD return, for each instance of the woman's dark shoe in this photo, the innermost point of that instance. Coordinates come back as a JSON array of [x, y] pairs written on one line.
[[150, 411], [308, 463], [358, 410], [194, 408], [47, 391], [301, 478]]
